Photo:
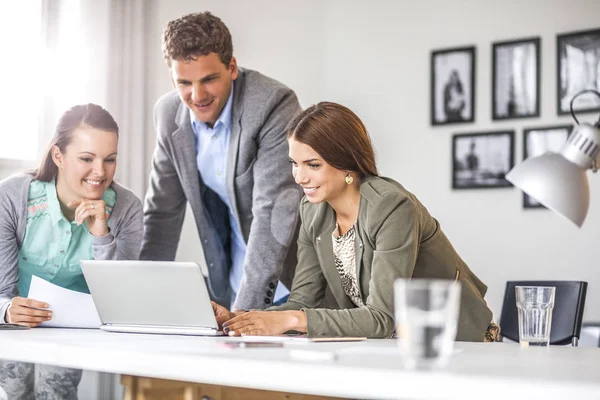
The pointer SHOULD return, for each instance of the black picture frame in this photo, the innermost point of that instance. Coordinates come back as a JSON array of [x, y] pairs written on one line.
[[573, 74], [537, 141], [516, 79], [453, 85], [481, 160]]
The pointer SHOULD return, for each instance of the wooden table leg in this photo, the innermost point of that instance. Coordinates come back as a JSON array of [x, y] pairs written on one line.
[[140, 388], [130, 383]]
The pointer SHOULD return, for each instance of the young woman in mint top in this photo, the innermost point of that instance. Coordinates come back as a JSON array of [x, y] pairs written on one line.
[[68, 210]]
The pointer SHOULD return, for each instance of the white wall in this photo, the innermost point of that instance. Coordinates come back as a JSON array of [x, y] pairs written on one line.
[[387, 83], [374, 57], [282, 39]]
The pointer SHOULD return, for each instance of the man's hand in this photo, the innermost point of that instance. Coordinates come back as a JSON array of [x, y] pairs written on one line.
[[27, 312], [222, 314]]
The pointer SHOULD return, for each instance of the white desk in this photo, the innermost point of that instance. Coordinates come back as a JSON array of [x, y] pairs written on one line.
[[477, 370]]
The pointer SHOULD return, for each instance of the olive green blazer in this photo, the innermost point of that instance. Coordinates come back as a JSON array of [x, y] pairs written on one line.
[[395, 238]]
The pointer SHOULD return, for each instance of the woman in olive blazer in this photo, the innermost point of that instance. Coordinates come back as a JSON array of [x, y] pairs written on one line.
[[360, 232]]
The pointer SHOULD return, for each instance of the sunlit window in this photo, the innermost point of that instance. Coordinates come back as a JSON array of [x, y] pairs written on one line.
[[20, 81]]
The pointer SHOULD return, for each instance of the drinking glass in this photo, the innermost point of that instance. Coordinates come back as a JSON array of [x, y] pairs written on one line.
[[535, 305], [426, 312]]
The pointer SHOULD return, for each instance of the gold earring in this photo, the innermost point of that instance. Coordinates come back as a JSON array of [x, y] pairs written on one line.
[[349, 179]]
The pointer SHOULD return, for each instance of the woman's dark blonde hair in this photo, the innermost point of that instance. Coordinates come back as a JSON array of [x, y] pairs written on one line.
[[338, 135], [81, 116]]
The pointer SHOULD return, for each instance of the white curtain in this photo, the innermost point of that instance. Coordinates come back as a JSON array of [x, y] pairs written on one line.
[[127, 91], [95, 53]]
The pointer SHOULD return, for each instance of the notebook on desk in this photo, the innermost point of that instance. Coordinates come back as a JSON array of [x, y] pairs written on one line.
[[164, 297]]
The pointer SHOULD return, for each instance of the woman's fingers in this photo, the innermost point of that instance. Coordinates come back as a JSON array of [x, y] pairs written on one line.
[[19, 318], [87, 208], [26, 302], [237, 320], [94, 212], [81, 208], [23, 310], [248, 330], [33, 312], [90, 208], [264, 323], [24, 319], [84, 210], [82, 216], [242, 324]]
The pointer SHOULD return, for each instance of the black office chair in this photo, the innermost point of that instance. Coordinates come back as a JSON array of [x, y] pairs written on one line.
[[569, 302]]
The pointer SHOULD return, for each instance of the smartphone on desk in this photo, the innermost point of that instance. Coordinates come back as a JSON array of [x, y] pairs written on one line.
[[337, 339], [247, 345], [13, 326]]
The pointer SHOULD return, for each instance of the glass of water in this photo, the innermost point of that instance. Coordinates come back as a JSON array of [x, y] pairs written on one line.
[[426, 312], [535, 305]]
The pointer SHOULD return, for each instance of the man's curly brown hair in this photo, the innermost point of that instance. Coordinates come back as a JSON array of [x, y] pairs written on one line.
[[197, 34]]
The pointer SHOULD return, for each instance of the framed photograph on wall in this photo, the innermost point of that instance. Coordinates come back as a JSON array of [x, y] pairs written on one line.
[[482, 160], [537, 141], [453, 85], [516, 79], [578, 68]]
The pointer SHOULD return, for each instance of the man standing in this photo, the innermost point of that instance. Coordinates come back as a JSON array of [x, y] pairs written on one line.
[[221, 147]]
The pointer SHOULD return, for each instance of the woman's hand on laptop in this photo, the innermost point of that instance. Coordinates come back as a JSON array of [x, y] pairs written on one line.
[[222, 314], [27, 312], [265, 323]]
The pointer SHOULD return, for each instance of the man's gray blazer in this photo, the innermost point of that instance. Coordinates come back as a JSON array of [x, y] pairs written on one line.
[[261, 190]]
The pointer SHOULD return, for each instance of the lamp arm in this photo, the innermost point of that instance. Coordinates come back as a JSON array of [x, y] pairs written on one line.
[[597, 124]]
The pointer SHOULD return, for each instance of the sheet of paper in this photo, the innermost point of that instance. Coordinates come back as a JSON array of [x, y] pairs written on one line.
[[70, 309]]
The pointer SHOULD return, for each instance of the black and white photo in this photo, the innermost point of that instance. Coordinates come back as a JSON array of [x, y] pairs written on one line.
[[482, 160], [453, 85], [516, 79], [538, 141], [578, 68]]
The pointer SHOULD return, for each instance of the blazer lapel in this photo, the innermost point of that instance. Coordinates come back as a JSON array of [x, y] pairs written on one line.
[[358, 253], [358, 249], [185, 150], [234, 142], [324, 245]]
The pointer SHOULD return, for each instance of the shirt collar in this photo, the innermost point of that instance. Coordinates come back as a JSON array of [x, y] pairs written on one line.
[[224, 118], [53, 203]]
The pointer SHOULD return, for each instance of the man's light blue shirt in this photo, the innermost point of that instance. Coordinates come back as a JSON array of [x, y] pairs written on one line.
[[211, 159]]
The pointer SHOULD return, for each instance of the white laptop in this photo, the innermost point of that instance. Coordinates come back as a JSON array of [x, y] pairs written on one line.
[[163, 297]]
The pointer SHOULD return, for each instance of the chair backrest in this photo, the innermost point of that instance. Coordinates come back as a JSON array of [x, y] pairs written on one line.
[[569, 302], [590, 334]]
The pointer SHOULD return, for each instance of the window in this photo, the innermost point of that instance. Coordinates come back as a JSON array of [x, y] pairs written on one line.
[[21, 81]]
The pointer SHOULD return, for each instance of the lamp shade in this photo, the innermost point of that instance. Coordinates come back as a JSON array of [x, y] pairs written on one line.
[[559, 180], [556, 183]]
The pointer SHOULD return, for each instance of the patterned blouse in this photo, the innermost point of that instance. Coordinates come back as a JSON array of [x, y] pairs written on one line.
[[345, 263], [344, 258]]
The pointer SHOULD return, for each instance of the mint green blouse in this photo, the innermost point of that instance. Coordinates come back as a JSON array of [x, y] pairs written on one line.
[[53, 246]]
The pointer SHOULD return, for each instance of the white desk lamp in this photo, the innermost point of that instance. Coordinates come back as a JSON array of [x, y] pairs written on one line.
[[559, 180]]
